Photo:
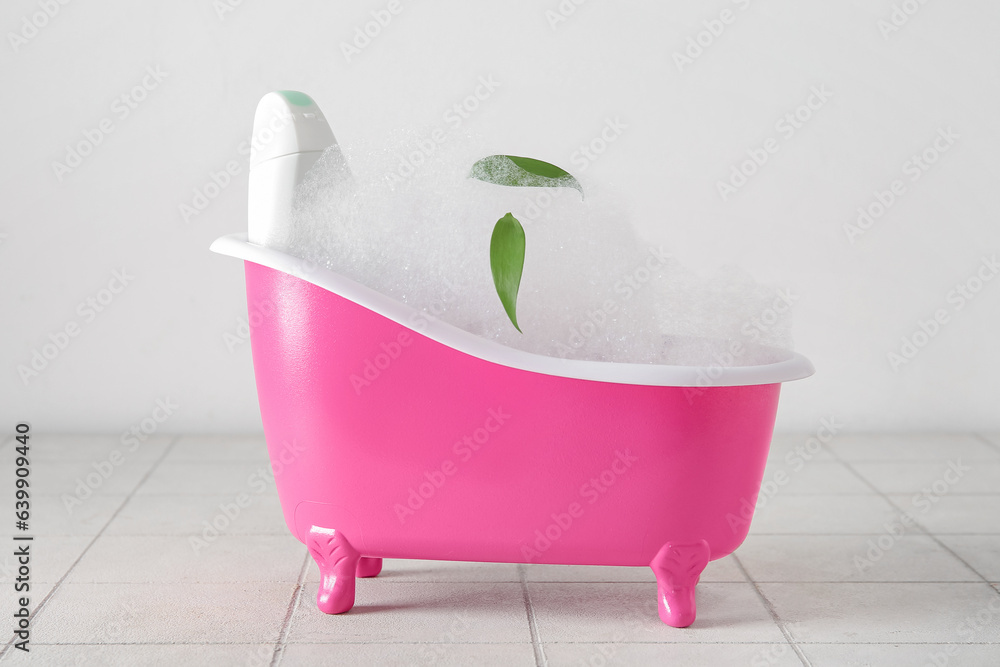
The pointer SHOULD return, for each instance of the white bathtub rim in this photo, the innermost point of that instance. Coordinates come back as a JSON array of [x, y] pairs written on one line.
[[794, 367]]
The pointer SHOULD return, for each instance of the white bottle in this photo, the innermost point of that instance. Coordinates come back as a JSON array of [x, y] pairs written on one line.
[[289, 135]]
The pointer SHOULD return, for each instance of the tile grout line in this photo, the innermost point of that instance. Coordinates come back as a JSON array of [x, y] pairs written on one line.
[[58, 584], [986, 441], [864, 582], [920, 526], [269, 494], [858, 582], [855, 534], [536, 644], [774, 614], [274, 495], [498, 643], [293, 604], [285, 533]]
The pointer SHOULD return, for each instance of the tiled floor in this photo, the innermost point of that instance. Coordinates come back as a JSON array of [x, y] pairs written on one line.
[[128, 569]]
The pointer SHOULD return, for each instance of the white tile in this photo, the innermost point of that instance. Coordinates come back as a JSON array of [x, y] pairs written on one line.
[[390, 612], [822, 514], [192, 515], [901, 655], [882, 612], [51, 558], [142, 581], [817, 477], [144, 655], [82, 479], [49, 447], [407, 655], [210, 478], [218, 448], [724, 569], [10, 598], [164, 613], [431, 571], [798, 445], [913, 447], [588, 573], [628, 655], [67, 515], [175, 559], [626, 612], [910, 557], [937, 478], [954, 514], [982, 552]]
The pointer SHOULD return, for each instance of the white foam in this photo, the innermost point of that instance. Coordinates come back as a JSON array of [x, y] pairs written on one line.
[[591, 289]]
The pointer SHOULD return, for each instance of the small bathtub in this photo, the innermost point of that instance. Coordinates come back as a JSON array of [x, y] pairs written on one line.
[[395, 435]]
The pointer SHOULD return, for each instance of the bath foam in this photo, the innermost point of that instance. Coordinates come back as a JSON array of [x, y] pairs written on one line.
[[410, 223]]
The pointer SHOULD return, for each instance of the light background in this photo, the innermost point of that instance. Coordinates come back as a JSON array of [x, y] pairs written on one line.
[[163, 336]]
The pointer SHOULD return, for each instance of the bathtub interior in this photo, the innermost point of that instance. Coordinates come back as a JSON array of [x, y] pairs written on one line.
[[291, 133], [724, 365]]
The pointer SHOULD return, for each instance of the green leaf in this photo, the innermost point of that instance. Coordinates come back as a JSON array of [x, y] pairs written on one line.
[[507, 262], [522, 172]]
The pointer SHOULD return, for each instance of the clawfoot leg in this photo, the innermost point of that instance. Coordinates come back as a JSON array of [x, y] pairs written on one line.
[[369, 567], [337, 561], [677, 568]]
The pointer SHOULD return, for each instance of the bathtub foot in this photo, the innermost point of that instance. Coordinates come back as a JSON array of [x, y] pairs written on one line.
[[369, 567], [338, 562], [677, 568]]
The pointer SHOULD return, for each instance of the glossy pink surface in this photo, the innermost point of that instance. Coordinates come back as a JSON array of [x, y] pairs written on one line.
[[407, 448]]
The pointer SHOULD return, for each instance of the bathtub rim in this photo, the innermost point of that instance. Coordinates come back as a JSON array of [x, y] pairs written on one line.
[[795, 367]]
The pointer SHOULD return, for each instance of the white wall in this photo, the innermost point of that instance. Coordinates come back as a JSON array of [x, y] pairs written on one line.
[[162, 336]]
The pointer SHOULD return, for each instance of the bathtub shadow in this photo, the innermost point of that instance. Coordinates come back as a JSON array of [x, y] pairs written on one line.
[[362, 609], [444, 597], [446, 588]]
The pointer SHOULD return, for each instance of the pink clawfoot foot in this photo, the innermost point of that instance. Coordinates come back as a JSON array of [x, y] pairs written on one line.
[[337, 561], [369, 567], [677, 568]]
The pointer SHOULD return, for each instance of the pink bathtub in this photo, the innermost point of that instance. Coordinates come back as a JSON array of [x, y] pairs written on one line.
[[395, 435]]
